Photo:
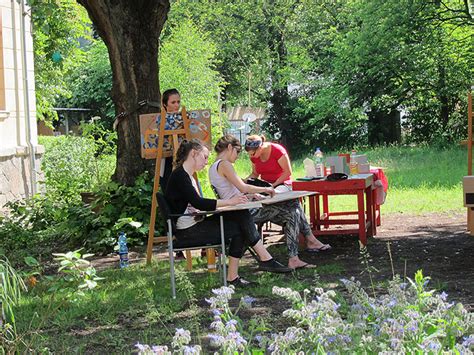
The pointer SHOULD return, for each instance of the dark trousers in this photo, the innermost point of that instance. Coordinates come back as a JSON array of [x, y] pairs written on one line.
[[239, 232]]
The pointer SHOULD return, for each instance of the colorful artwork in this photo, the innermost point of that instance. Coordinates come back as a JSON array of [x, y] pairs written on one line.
[[199, 127]]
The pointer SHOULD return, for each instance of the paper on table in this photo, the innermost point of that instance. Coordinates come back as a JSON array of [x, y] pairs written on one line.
[[285, 196], [282, 188], [242, 206]]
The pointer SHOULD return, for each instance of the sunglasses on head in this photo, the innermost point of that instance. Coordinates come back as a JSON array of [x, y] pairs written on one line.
[[251, 144]]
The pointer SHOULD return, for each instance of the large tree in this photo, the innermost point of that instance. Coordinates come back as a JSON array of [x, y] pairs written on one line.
[[131, 31]]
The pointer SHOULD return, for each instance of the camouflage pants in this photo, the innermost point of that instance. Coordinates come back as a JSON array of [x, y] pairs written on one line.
[[290, 216]]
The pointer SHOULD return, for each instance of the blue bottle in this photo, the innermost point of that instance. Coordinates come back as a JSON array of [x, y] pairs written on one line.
[[123, 250]]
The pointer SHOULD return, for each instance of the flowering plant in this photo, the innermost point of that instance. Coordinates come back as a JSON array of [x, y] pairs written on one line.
[[408, 318]]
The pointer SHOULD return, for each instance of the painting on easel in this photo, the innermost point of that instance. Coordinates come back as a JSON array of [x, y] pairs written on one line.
[[199, 127]]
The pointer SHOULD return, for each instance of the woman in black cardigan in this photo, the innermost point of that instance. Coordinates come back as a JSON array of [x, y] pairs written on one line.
[[182, 194]]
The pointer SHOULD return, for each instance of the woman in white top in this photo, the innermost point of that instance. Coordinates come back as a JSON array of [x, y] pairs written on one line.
[[288, 214], [183, 197]]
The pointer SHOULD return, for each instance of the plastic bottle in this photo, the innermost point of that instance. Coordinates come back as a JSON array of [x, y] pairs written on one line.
[[353, 164], [123, 250], [318, 161]]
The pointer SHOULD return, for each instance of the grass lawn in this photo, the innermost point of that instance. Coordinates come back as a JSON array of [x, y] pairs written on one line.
[[134, 305], [421, 179]]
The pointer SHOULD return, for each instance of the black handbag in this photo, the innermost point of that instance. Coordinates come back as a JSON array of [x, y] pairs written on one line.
[[258, 182]]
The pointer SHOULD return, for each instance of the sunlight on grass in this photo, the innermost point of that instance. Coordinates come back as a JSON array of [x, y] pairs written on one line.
[[421, 179]]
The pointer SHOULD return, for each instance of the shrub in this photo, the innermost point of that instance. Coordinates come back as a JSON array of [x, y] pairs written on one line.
[[31, 227], [71, 166], [38, 226]]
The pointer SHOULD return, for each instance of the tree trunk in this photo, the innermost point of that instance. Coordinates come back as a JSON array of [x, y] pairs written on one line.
[[442, 96], [384, 127], [279, 97], [130, 30]]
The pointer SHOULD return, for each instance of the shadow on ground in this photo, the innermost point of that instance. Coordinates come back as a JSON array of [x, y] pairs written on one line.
[[436, 243]]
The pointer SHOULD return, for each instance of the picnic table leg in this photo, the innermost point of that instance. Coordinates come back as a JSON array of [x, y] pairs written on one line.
[[361, 215], [317, 223], [312, 219], [370, 210], [326, 209], [378, 215]]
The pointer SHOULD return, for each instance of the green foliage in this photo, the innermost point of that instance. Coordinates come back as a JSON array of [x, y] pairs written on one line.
[[404, 320], [59, 220], [59, 27], [120, 208], [90, 84], [10, 291], [341, 70], [334, 72], [76, 275], [240, 46], [31, 228], [77, 164], [187, 61], [11, 288]]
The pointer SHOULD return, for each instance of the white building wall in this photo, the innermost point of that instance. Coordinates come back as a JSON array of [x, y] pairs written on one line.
[[15, 179]]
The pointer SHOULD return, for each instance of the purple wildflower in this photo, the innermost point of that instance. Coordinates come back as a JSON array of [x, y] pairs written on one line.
[[434, 345], [247, 301], [141, 347], [468, 341], [216, 312]]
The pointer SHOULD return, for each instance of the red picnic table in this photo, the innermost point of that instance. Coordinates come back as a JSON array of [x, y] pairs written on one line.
[[359, 185]]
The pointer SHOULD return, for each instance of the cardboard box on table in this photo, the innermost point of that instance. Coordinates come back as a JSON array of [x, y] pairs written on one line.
[[468, 190], [338, 164]]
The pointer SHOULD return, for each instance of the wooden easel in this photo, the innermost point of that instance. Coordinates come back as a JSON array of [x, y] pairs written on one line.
[[156, 184]]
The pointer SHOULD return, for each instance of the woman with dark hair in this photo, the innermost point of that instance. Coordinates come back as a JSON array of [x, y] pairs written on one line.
[[183, 196], [287, 214], [171, 102]]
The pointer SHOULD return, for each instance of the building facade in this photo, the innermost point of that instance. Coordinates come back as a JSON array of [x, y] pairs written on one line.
[[20, 153]]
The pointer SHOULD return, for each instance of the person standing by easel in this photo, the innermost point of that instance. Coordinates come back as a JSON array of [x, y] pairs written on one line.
[[171, 100]]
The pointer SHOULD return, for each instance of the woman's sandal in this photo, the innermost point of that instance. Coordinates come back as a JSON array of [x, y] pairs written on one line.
[[305, 266], [325, 247]]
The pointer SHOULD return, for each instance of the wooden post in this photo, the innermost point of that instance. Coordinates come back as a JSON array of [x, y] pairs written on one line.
[[470, 212], [156, 185]]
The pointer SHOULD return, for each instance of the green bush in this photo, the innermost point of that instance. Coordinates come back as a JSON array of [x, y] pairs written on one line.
[[120, 208], [38, 226], [74, 164]]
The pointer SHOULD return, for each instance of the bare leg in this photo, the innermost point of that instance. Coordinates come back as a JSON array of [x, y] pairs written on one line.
[[295, 262], [261, 251], [313, 242], [233, 270]]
